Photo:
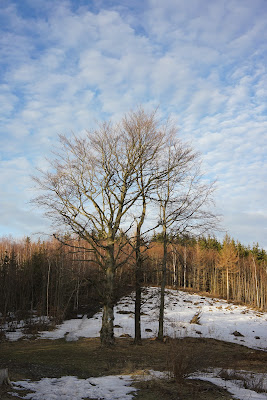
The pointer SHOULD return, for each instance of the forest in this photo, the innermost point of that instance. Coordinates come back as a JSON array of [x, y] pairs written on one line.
[[51, 279]]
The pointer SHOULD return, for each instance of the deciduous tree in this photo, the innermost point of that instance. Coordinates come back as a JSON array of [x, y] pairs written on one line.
[[97, 187], [184, 202]]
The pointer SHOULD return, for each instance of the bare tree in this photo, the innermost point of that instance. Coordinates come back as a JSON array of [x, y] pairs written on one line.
[[184, 203], [99, 186], [155, 135], [96, 186]]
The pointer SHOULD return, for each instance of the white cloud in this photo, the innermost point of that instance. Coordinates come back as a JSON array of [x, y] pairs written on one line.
[[63, 66]]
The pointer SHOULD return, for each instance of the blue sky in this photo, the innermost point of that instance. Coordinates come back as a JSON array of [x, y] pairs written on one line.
[[66, 64]]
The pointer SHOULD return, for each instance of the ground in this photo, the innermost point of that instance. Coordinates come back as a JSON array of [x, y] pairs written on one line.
[[86, 358]]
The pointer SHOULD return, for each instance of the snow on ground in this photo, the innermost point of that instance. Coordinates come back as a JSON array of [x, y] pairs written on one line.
[[14, 328], [216, 319], [118, 387], [69, 388], [240, 386], [114, 387], [213, 318]]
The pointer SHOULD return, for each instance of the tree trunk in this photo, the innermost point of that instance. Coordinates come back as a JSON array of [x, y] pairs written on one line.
[[174, 265], [47, 287], [138, 283], [163, 283], [139, 267], [4, 379], [256, 284], [227, 283], [184, 266], [107, 329]]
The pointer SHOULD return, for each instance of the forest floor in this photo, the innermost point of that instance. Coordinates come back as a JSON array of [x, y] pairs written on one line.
[[36, 359]]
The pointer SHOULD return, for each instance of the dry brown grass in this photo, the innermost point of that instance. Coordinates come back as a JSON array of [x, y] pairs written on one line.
[[86, 358]]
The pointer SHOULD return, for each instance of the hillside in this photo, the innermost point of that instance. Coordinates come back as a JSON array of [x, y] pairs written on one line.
[[186, 315]]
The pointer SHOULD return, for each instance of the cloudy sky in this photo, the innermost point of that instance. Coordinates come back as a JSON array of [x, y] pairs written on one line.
[[66, 64]]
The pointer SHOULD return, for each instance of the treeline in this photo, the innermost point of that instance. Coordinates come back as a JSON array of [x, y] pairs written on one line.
[[57, 280], [228, 269], [46, 278]]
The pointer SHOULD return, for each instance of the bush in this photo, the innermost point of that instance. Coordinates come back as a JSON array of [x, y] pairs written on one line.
[[183, 360]]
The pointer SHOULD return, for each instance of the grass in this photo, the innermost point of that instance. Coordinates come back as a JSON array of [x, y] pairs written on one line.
[[248, 380], [86, 358], [169, 390]]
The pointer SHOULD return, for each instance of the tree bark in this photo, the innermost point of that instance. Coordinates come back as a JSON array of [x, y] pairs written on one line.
[[185, 266], [4, 379], [163, 280], [138, 283], [107, 329]]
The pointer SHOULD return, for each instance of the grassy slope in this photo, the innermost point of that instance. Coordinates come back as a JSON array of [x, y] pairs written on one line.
[[86, 358]]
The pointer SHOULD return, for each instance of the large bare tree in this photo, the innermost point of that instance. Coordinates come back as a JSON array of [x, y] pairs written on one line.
[[96, 187], [103, 183]]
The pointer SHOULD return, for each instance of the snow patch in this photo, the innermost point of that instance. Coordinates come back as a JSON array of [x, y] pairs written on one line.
[[69, 388], [218, 319], [237, 386]]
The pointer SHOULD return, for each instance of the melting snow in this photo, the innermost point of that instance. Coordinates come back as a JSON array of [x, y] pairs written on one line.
[[217, 319], [237, 386], [70, 387], [114, 387], [118, 387]]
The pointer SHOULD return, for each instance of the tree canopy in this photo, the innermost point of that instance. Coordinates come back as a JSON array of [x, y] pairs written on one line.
[[105, 185]]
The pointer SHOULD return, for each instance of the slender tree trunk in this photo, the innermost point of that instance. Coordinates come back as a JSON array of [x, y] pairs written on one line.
[[137, 326], [138, 285], [185, 267], [139, 268], [174, 266], [163, 281], [227, 283], [47, 287], [256, 284]]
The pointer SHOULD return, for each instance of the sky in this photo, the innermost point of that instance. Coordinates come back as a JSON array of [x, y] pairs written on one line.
[[66, 64]]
